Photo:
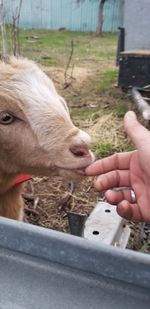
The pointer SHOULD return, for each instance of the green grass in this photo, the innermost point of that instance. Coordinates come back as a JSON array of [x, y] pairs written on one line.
[[103, 150], [108, 78], [121, 110], [106, 149], [96, 115], [88, 114], [47, 38], [57, 45], [45, 60]]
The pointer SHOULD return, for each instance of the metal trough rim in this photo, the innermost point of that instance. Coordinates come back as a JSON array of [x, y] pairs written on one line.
[[75, 252]]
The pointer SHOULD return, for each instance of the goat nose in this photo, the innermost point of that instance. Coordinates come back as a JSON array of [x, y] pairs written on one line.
[[79, 151]]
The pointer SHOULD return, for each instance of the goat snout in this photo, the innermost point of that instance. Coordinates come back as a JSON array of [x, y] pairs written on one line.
[[80, 148]]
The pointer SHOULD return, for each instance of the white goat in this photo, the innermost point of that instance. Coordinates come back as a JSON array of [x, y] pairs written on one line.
[[37, 135]]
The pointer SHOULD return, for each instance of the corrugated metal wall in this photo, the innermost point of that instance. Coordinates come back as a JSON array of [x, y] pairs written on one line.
[[55, 14], [137, 24]]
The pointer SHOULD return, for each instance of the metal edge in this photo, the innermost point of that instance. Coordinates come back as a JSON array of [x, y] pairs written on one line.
[[75, 252]]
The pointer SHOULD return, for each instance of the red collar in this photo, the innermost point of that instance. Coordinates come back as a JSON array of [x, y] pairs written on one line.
[[20, 179]]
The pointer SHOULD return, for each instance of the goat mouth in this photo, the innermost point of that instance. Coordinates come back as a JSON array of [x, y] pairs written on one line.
[[79, 171]]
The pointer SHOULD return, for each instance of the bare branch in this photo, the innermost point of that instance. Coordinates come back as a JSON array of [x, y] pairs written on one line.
[[3, 30], [67, 83], [15, 30]]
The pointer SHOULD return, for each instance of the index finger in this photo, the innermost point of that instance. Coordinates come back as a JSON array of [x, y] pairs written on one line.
[[139, 135], [119, 161]]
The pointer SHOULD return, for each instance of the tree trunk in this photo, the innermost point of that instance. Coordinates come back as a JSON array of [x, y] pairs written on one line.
[[100, 17]]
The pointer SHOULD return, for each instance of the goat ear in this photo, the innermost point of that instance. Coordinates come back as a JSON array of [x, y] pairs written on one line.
[[64, 104], [8, 102], [4, 97]]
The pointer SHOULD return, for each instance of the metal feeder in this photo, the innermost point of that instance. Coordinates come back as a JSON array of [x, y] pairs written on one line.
[[45, 269]]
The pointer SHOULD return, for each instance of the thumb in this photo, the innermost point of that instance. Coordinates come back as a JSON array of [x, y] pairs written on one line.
[[139, 135]]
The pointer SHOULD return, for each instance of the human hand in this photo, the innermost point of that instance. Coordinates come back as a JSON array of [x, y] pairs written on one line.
[[130, 170]]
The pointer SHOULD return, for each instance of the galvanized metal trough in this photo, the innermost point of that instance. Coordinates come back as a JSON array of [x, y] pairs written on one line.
[[42, 269]]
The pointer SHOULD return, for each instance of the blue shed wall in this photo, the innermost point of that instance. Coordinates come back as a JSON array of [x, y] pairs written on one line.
[[55, 14]]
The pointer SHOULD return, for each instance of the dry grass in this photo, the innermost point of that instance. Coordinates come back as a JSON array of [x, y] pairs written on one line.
[[107, 129], [56, 199]]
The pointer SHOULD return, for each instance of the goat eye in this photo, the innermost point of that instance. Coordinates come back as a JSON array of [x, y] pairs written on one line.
[[6, 118]]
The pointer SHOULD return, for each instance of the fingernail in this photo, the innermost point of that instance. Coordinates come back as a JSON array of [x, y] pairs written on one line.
[[98, 182], [130, 115], [99, 179]]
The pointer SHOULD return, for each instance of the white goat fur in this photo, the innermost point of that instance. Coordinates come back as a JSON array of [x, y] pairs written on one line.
[[40, 139]]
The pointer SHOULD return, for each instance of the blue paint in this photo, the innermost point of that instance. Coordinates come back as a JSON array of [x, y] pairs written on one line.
[[55, 14]]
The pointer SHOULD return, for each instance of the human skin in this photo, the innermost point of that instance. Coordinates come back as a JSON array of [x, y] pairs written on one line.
[[130, 170]]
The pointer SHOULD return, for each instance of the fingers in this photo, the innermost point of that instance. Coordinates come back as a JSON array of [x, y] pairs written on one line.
[[113, 179], [129, 211], [116, 161], [124, 203], [125, 206], [115, 197], [138, 134]]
